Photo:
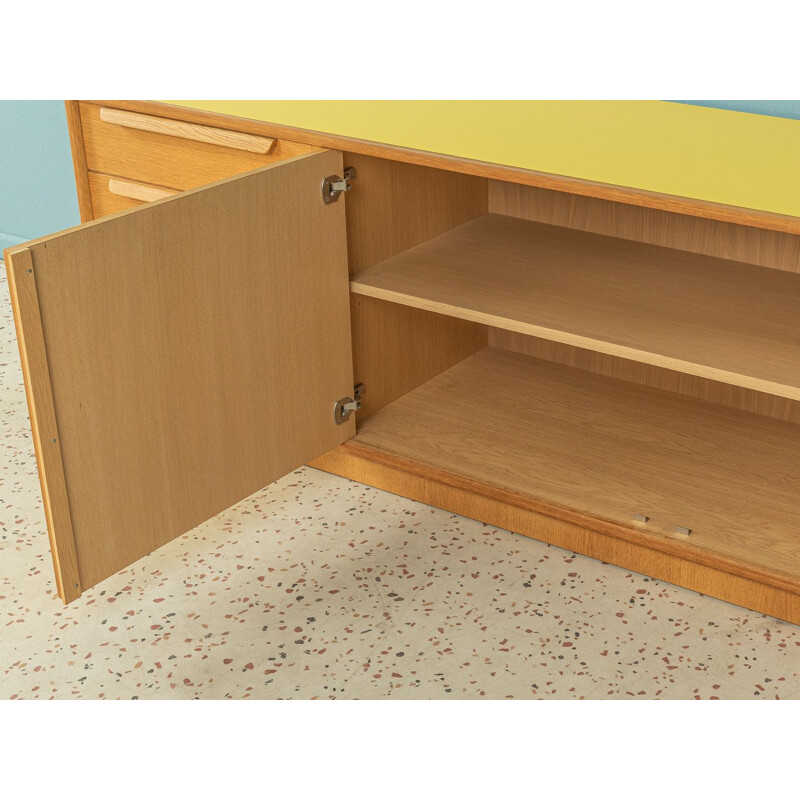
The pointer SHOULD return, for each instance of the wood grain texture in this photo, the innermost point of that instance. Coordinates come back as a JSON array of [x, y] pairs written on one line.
[[103, 201], [166, 160], [138, 191], [715, 319], [22, 278], [393, 207], [622, 194], [522, 513], [78, 150], [187, 130], [397, 348], [196, 347], [694, 234], [602, 450], [767, 405], [750, 245]]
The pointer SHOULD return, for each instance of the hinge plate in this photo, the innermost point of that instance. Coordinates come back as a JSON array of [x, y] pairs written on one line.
[[342, 409], [333, 185]]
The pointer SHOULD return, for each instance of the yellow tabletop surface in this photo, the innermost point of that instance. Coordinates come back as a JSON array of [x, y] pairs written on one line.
[[746, 160]]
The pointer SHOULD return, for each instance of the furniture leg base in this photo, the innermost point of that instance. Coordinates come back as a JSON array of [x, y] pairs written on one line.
[[366, 465]]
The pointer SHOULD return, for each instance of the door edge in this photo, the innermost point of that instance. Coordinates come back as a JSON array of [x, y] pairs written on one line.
[[46, 440]]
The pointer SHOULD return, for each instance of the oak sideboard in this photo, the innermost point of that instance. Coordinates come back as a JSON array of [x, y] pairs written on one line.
[[610, 369]]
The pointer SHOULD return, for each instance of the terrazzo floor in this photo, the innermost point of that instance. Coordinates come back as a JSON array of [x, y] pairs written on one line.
[[317, 587]]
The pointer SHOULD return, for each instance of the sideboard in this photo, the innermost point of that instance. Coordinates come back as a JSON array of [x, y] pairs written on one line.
[[607, 368]]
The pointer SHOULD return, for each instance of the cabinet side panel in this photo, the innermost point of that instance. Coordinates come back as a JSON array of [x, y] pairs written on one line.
[[709, 237], [78, 147], [397, 348], [394, 206], [646, 375]]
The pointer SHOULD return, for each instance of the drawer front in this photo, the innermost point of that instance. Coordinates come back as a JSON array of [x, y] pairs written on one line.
[[110, 194], [178, 156]]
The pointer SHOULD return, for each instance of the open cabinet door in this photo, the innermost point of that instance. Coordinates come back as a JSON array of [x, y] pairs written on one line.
[[180, 356]]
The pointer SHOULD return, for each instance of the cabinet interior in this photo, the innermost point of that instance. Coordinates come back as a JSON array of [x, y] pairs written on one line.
[[635, 365]]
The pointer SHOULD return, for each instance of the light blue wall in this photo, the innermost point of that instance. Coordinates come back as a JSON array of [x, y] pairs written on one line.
[[790, 109], [37, 184]]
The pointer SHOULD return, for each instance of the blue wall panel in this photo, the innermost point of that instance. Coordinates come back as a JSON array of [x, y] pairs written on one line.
[[37, 184], [789, 109]]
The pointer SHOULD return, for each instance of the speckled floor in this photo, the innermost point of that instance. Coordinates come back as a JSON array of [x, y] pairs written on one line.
[[318, 587]]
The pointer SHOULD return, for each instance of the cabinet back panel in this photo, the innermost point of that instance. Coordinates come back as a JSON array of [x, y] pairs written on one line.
[[696, 235], [397, 348], [395, 206], [646, 375]]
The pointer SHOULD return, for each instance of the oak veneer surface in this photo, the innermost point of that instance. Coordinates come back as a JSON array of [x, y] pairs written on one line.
[[187, 130], [195, 349], [394, 206], [169, 161], [396, 348], [608, 449], [105, 202], [769, 405], [708, 317], [41, 409], [635, 549], [78, 150], [710, 237]]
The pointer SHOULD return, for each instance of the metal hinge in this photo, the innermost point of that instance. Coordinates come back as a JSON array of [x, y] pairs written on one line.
[[333, 185], [342, 409]]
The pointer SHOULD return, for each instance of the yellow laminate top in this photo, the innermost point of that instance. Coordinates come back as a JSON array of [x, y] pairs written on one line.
[[746, 160]]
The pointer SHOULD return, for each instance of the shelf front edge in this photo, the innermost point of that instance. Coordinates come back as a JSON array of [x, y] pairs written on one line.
[[575, 340]]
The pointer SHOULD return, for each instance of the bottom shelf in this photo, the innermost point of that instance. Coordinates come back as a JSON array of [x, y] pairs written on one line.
[[592, 448]]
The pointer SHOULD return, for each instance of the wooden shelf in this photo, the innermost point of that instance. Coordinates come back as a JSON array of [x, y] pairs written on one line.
[[703, 316], [604, 449]]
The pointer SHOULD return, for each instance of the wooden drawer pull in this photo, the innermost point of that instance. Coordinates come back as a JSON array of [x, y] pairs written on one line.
[[137, 191], [187, 130]]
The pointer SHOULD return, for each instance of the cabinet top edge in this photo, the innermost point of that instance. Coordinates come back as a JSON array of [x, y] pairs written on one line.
[[694, 153]]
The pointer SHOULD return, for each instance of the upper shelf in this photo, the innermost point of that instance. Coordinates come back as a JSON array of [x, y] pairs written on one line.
[[703, 316]]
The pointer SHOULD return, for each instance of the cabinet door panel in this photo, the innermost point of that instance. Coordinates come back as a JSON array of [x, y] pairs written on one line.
[[180, 356]]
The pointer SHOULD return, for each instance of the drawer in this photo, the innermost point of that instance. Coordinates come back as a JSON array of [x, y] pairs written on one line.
[[119, 146], [111, 194]]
